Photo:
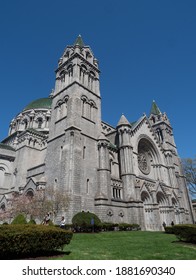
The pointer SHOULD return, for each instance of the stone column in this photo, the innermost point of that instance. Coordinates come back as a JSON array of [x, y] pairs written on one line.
[[104, 185]]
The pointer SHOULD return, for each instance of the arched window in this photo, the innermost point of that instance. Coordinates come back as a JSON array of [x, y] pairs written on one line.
[[84, 105], [2, 176], [25, 123], [117, 193], [145, 197], [147, 155], [153, 119], [83, 70], [112, 165], [87, 54], [91, 78], [61, 108], [159, 134], [161, 199], [67, 54], [70, 70], [62, 76], [40, 121]]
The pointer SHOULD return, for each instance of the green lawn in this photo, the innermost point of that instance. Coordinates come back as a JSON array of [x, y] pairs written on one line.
[[133, 245]]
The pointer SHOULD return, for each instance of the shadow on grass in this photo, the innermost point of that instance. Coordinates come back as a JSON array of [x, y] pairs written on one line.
[[38, 256], [184, 243]]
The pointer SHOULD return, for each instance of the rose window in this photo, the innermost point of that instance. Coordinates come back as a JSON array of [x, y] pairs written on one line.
[[143, 163]]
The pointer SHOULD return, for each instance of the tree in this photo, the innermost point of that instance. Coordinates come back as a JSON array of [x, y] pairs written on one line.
[[189, 166], [37, 206], [53, 201]]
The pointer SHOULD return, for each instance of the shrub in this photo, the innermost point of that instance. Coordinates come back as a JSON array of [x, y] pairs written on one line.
[[86, 222], [29, 240], [109, 226], [32, 222], [19, 220], [170, 230], [125, 226], [185, 233], [68, 227]]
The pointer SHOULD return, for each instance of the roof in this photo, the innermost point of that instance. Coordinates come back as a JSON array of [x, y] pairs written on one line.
[[6, 147], [155, 109], [123, 121], [45, 103], [79, 41]]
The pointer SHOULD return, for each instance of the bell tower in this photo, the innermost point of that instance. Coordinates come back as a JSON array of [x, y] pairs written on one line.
[[76, 97], [75, 127], [162, 127], [77, 64]]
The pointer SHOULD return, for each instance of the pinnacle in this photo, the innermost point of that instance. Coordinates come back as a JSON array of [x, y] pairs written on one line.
[[155, 109], [123, 121], [79, 41]]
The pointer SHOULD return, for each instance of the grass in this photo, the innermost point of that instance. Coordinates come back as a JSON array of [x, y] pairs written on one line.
[[134, 245]]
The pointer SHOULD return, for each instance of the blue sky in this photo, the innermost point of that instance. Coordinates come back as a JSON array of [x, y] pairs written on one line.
[[146, 51]]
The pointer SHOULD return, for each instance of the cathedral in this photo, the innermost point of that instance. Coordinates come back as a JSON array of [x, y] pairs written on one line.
[[130, 173]]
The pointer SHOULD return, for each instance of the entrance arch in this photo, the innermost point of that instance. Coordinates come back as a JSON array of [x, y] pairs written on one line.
[[148, 210], [163, 205]]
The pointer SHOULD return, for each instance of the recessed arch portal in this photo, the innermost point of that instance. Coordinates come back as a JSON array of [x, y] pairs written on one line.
[[148, 210]]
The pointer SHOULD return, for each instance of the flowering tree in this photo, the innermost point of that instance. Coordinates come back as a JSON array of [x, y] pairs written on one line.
[[45, 201]]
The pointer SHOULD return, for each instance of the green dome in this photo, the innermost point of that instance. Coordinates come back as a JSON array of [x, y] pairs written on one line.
[[39, 103]]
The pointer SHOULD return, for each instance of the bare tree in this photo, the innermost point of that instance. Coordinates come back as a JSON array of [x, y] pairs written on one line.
[[189, 166]]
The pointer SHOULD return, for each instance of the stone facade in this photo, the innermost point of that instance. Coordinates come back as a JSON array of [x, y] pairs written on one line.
[[129, 173]]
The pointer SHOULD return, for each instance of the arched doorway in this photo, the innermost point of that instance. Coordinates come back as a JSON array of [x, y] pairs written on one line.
[[148, 210], [163, 205]]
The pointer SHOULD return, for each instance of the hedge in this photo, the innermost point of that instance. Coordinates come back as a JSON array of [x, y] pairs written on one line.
[[170, 230], [29, 240], [82, 222], [124, 227], [185, 233]]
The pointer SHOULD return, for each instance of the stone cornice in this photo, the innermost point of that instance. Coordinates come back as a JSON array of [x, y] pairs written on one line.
[[71, 84]]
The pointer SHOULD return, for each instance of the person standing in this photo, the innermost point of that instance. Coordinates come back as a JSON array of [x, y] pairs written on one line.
[[62, 223]]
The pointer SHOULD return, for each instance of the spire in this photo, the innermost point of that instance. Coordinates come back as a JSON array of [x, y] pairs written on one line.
[[155, 109], [79, 41], [123, 121]]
